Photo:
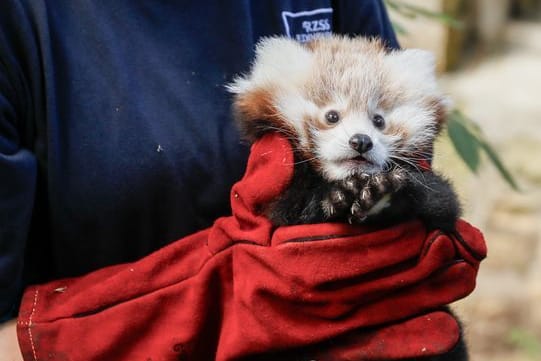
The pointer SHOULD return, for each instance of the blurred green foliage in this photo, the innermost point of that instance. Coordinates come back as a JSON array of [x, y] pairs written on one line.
[[526, 342], [466, 136], [413, 11], [469, 141]]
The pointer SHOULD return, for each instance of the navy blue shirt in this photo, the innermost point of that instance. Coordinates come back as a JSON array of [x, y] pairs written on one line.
[[115, 129]]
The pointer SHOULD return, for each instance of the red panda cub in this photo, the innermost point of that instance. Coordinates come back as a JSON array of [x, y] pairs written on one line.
[[362, 120]]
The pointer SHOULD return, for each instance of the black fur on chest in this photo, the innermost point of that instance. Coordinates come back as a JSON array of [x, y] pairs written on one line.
[[419, 194]]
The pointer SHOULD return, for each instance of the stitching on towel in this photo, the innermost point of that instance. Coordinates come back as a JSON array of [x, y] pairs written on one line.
[[30, 326]]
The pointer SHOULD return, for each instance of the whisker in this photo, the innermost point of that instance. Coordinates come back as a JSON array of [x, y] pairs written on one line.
[[415, 169], [305, 160]]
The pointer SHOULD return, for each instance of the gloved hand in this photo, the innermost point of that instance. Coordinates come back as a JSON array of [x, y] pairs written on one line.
[[241, 289]]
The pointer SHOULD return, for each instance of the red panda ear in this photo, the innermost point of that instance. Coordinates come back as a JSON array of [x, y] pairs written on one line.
[[414, 67], [256, 114], [420, 62], [253, 112], [416, 70], [279, 61], [280, 65]]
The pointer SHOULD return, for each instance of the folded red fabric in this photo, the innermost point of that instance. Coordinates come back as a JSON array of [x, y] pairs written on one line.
[[242, 288]]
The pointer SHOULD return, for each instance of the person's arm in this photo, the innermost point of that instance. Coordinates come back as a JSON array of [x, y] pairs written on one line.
[[9, 347], [18, 165]]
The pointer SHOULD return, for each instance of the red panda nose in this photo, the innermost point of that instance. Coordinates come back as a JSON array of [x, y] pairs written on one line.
[[361, 143]]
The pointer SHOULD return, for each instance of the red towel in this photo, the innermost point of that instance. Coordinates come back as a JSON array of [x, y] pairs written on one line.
[[241, 288]]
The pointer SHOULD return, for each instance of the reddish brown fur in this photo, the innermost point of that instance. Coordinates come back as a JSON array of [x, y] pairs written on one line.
[[401, 132], [440, 112], [320, 124], [255, 114]]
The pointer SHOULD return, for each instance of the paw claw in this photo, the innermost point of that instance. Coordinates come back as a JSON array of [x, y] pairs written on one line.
[[355, 208], [350, 184], [381, 183], [365, 195], [398, 179], [331, 211], [357, 212], [353, 199], [378, 178], [337, 198]]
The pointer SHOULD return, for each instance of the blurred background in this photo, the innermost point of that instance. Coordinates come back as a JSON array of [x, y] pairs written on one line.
[[490, 64]]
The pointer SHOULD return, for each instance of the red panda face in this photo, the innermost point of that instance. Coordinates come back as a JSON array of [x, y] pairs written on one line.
[[347, 105]]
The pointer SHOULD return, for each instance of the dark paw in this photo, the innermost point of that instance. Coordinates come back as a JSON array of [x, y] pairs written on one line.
[[337, 202], [372, 192]]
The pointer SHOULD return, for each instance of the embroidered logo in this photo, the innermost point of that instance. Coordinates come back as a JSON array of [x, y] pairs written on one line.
[[304, 26]]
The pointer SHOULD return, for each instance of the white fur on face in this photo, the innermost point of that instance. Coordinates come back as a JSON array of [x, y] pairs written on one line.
[[358, 79], [294, 107], [417, 120], [336, 155]]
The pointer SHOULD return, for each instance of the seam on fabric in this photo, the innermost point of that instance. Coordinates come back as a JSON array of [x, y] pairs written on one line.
[[30, 325], [318, 238]]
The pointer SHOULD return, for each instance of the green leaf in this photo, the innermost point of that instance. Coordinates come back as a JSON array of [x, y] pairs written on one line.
[[526, 341], [439, 16], [499, 165], [465, 142], [412, 11], [468, 139]]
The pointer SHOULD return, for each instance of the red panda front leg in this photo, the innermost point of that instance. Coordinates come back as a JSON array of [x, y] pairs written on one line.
[[363, 195]]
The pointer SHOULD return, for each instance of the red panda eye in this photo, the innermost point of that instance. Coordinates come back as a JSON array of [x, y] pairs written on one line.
[[378, 121], [332, 117]]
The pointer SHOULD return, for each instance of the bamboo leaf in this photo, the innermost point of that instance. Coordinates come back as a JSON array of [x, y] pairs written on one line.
[[493, 156], [436, 15], [412, 11], [463, 126], [466, 143]]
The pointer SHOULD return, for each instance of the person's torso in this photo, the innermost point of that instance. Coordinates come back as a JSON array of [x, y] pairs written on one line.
[[134, 136]]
